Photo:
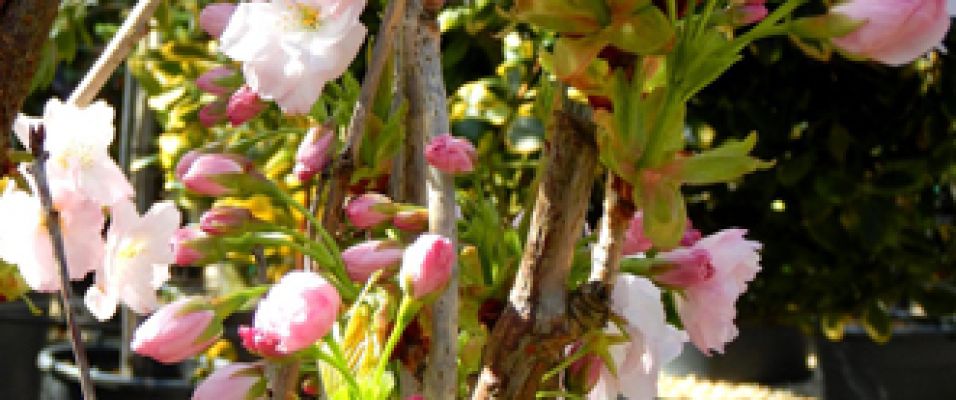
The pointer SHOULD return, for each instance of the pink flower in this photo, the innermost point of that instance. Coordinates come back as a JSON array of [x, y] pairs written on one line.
[[225, 220], [691, 235], [635, 241], [137, 259], [427, 265], [747, 12], [186, 161], [313, 153], [289, 49], [451, 155], [653, 342], [174, 332], [713, 272], [202, 173], [298, 311], [214, 18], [259, 341], [212, 114], [212, 81], [414, 220], [243, 105], [232, 382], [363, 259], [187, 245], [25, 241], [896, 32], [78, 141], [368, 210]]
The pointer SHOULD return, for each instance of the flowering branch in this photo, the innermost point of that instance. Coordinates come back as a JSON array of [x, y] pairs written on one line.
[[59, 254], [344, 164], [116, 51]]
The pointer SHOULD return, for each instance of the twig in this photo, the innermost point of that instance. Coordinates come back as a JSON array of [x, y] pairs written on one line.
[[344, 164], [116, 51], [614, 223], [40, 155]]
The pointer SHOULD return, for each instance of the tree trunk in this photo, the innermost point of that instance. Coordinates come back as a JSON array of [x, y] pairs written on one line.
[[24, 28], [536, 327]]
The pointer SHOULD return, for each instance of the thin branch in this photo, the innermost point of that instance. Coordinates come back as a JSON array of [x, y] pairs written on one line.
[[344, 164], [59, 255], [614, 223], [132, 30]]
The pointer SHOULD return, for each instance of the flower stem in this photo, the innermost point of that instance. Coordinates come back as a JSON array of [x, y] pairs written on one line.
[[406, 311], [59, 254]]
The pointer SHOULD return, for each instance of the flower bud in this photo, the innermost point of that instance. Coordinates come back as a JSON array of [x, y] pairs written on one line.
[[369, 209], [451, 155], [427, 265], [893, 32], [234, 381], [202, 173], [214, 18], [363, 259], [297, 312], [186, 243], [225, 220], [313, 153], [584, 373], [746, 12], [212, 81], [212, 114], [635, 241], [185, 161], [175, 333], [243, 106], [414, 220]]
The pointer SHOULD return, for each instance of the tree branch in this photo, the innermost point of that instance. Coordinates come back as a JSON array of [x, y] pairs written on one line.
[[532, 333], [24, 28], [617, 216]]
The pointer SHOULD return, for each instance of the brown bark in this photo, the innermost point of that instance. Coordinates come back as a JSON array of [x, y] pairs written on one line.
[[24, 28], [532, 333], [617, 216]]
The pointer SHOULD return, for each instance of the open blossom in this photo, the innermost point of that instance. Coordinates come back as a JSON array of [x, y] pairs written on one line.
[[363, 259], [451, 155], [231, 382], [713, 273], [297, 312], [174, 333], [653, 342], [78, 140], [427, 265], [138, 255], [895, 32], [289, 49], [25, 242], [313, 153]]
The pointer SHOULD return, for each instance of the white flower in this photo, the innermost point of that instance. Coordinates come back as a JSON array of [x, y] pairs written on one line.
[[78, 141], [138, 254], [289, 49], [652, 344]]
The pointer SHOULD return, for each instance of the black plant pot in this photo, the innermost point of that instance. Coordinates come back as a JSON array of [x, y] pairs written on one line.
[[919, 362], [767, 354], [22, 335], [60, 377]]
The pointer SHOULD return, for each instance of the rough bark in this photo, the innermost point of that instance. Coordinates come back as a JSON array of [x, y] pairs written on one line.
[[617, 216], [537, 325], [427, 118], [24, 28]]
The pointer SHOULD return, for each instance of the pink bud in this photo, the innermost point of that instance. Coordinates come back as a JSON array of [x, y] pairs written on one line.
[[171, 335], [215, 17], [202, 173], [894, 32], [225, 220], [234, 381], [411, 220], [635, 241], [691, 266], [212, 114], [584, 373], [751, 11], [691, 235], [451, 155], [427, 265], [313, 153], [259, 342], [185, 162], [363, 259], [368, 210], [243, 106], [211, 81], [186, 243], [298, 311]]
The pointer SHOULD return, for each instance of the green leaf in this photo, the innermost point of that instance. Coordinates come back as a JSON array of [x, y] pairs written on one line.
[[573, 55], [877, 323], [648, 31], [565, 16], [722, 164]]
